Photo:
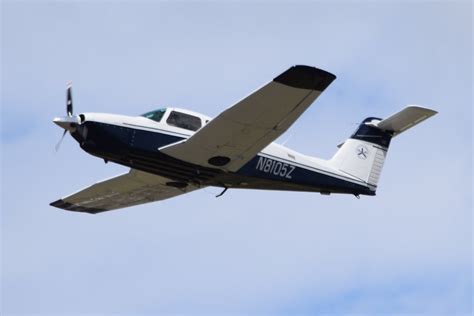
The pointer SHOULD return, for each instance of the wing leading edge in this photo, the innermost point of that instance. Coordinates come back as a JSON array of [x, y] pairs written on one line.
[[132, 188], [240, 132]]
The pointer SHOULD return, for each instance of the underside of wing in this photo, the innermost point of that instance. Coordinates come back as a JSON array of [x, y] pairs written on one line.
[[132, 188], [240, 132]]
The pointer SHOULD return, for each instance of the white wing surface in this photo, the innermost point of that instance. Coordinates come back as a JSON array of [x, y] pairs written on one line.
[[240, 132], [132, 188]]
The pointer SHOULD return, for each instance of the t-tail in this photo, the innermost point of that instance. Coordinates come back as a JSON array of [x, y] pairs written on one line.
[[362, 155]]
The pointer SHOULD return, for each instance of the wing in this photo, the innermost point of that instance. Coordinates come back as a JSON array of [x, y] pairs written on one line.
[[240, 132], [132, 188]]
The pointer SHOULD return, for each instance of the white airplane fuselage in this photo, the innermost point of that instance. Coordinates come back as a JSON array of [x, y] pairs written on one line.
[[135, 141]]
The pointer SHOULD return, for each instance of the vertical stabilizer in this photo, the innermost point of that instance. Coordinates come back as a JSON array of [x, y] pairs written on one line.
[[363, 154]]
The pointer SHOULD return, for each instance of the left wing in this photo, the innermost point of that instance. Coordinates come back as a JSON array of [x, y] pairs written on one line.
[[240, 132], [132, 188]]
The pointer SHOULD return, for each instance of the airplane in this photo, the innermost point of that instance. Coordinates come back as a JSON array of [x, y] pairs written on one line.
[[172, 151]]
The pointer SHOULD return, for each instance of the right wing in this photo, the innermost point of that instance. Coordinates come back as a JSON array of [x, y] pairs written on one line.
[[239, 133], [132, 188]]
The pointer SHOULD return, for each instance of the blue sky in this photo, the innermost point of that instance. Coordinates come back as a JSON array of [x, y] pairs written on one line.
[[405, 251]]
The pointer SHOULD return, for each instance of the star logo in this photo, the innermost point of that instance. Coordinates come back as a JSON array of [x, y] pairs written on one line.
[[362, 152]]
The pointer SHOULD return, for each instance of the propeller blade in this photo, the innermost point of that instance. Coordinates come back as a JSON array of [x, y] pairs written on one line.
[[60, 141], [69, 99]]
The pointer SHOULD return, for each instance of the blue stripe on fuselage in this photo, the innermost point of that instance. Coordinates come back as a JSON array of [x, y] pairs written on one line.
[[119, 140], [274, 168]]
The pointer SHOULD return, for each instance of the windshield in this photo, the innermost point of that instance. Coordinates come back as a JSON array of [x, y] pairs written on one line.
[[155, 115]]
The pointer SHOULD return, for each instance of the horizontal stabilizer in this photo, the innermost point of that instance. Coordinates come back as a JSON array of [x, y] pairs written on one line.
[[405, 119]]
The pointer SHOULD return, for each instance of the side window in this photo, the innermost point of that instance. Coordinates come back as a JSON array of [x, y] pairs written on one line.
[[183, 120]]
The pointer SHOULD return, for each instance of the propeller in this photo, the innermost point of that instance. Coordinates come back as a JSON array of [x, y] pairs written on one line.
[[69, 99], [68, 111], [56, 148]]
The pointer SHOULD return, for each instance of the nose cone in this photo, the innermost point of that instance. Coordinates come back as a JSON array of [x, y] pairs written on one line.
[[67, 122]]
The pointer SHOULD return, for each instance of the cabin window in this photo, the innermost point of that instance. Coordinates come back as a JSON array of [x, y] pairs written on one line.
[[155, 115], [182, 120]]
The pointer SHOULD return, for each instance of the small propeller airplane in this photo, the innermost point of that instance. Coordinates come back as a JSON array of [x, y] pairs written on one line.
[[172, 151]]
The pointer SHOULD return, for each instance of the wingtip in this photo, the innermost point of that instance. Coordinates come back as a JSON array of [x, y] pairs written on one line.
[[422, 108], [75, 208], [57, 203], [306, 77]]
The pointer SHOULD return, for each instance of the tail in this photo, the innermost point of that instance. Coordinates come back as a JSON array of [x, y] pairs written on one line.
[[363, 154]]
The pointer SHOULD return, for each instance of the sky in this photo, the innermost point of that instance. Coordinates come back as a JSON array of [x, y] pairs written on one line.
[[406, 251]]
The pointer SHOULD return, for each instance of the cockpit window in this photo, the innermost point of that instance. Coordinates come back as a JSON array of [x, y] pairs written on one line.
[[155, 115], [189, 122]]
